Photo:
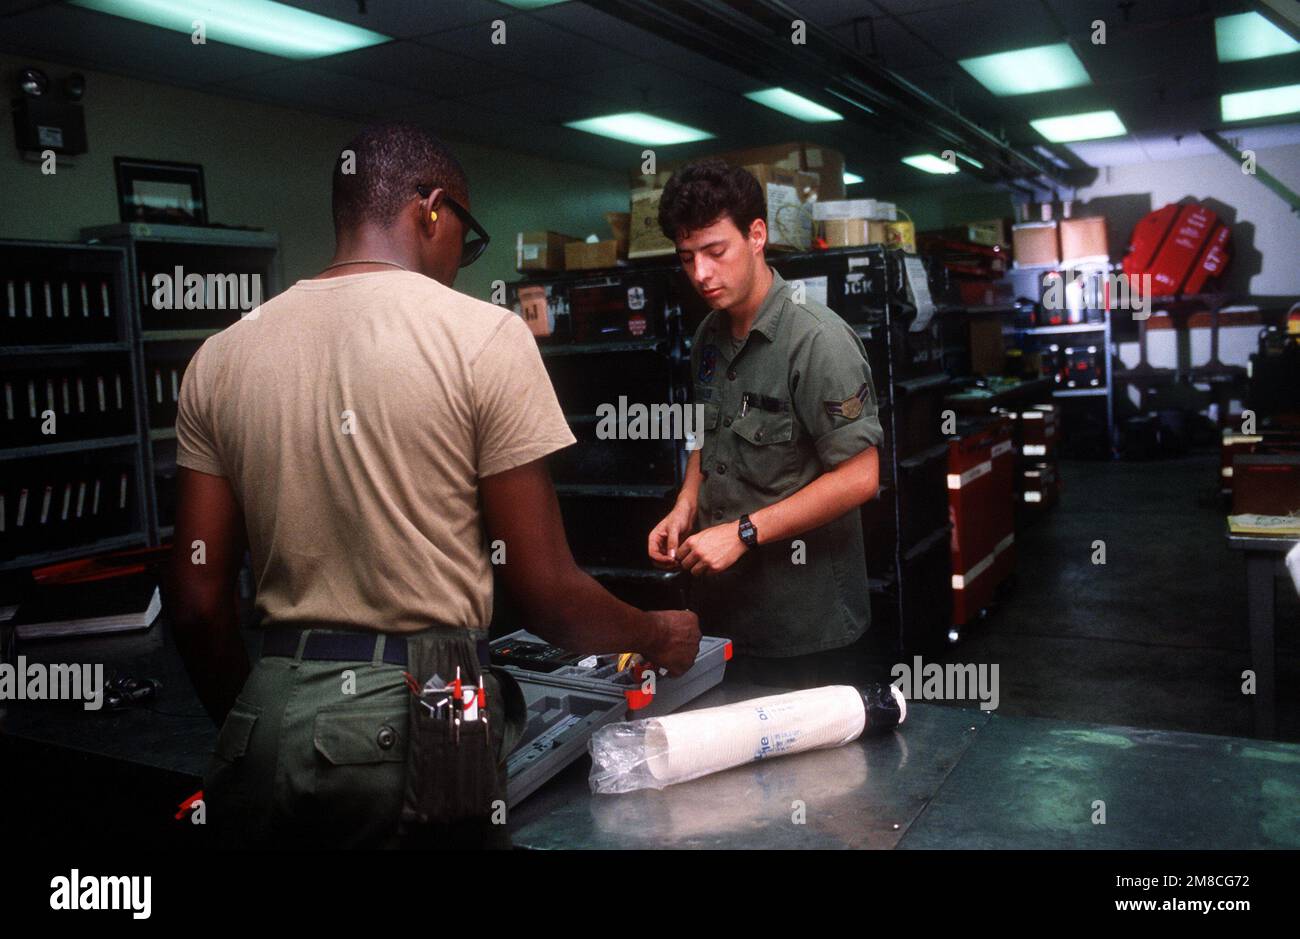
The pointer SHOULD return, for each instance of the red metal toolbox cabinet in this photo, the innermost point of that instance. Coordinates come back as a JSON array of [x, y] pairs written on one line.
[[981, 507]]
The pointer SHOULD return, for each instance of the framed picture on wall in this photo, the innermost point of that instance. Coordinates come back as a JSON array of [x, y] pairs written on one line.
[[161, 192]]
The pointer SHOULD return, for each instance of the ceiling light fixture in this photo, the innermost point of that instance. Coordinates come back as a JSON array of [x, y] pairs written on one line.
[[1028, 71], [1068, 128], [1245, 36], [787, 102], [262, 25], [930, 163], [639, 127], [1263, 102]]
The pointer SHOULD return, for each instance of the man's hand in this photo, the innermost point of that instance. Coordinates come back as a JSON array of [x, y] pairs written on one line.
[[668, 535], [678, 642], [712, 550]]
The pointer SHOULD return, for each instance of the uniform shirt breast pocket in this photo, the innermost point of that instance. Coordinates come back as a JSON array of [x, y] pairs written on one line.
[[765, 454], [704, 429]]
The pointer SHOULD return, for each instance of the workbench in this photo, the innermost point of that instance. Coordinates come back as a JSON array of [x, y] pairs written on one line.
[[948, 778]]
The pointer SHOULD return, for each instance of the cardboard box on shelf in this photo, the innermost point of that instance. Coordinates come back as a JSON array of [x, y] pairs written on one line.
[[535, 309], [869, 209], [988, 351], [901, 235], [790, 197], [591, 255], [645, 240], [826, 163], [540, 250], [1035, 243], [848, 232], [619, 222], [1084, 239], [993, 232]]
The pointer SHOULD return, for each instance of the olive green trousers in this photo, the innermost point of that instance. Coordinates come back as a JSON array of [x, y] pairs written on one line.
[[313, 755]]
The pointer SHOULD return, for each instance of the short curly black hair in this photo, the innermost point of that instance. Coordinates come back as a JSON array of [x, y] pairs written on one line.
[[387, 162], [701, 193]]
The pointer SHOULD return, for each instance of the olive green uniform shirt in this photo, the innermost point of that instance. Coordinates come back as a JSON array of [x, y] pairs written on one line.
[[794, 402]]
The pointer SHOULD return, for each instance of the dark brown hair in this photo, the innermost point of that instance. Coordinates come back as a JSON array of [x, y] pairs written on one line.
[[701, 193]]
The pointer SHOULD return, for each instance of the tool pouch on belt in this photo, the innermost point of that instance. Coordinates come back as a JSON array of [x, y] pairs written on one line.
[[457, 776]]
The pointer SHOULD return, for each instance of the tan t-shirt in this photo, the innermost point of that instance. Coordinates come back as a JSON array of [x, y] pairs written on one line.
[[354, 417]]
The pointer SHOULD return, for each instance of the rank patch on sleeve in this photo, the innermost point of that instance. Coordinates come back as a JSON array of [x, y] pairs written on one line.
[[850, 407]]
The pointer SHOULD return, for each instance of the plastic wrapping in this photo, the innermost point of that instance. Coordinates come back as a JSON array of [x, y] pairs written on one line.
[[659, 752]]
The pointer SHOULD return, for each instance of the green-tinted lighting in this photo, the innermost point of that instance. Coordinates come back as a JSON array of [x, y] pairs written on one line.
[[263, 25], [1072, 127], [787, 102], [972, 161], [929, 163], [1250, 36], [1264, 102], [638, 127], [1027, 71], [851, 179]]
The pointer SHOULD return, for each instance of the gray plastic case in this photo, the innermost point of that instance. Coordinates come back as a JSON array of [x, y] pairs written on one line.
[[568, 705]]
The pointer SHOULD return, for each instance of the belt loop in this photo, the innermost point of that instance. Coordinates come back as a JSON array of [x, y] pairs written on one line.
[[302, 647], [377, 658]]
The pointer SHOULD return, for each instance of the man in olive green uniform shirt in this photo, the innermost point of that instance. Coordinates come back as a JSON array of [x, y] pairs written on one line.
[[768, 516], [795, 400]]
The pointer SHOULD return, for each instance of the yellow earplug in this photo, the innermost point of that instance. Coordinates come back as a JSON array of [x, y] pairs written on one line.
[[433, 216]]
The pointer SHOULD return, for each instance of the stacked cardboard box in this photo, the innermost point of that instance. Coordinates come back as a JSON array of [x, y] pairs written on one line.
[[794, 177]]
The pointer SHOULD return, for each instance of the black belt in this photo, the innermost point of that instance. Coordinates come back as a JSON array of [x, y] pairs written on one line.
[[346, 647]]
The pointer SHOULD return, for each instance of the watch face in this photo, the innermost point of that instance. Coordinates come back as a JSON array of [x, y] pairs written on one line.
[[748, 534]]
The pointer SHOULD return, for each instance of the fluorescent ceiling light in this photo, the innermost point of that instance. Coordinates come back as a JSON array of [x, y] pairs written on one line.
[[263, 25], [930, 163], [787, 102], [638, 127], [1250, 36], [1070, 127], [971, 160], [1265, 102], [1027, 71], [851, 178]]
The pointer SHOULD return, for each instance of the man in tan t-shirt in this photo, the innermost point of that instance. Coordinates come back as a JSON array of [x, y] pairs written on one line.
[[365, 434]]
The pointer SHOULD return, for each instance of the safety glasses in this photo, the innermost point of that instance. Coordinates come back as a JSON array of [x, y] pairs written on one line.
[[473, 248]]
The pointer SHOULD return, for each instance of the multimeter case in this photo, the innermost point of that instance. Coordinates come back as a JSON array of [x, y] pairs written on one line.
[[567, 703]]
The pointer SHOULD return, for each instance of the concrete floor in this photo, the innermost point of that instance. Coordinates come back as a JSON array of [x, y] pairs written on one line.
[[1156, 637]]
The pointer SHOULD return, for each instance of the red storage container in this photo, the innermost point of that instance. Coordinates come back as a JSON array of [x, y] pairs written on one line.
[[981, 507]]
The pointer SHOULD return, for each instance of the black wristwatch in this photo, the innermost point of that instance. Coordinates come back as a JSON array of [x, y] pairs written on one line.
[[748, 533]]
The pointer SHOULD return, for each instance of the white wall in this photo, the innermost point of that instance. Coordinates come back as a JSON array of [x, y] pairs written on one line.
[[1265, 232]]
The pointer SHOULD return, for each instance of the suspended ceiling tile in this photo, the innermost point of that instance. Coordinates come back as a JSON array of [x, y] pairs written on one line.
[[411, 65], [403, 19], [546, 103], [312, 88], [986, 26], [98, 41], [593, 24], [531, 46]]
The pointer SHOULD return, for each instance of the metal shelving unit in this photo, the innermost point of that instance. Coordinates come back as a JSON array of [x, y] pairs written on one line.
[[165, 340], [605, 487], [1103, 331], [908, 566], [79, 291]]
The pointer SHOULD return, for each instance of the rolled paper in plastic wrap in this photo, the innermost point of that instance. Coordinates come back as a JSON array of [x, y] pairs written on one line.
[[661, 751]]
